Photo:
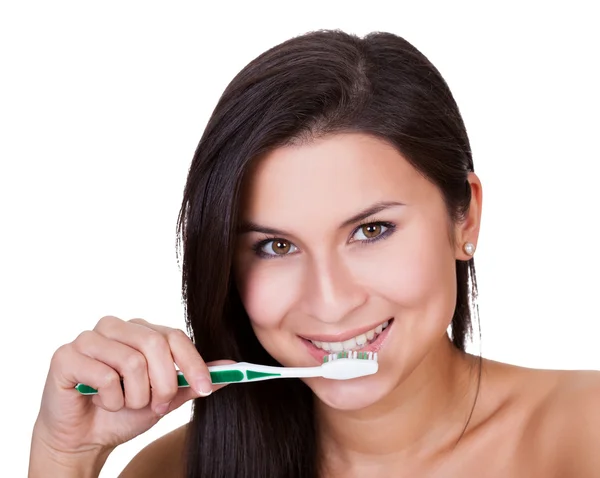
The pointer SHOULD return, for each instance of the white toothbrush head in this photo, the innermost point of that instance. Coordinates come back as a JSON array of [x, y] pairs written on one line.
[[347, 365]]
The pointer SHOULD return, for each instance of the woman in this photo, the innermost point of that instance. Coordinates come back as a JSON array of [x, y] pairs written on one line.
[[331, 198]]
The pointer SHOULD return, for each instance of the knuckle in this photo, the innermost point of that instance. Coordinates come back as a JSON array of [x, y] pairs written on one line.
[[110, 379], [168, 388], [108, 404], [134, 362], [136, 403], [177, 335], [163, 394], [84, 338], [155, 341], [61, 353], [106, 322]]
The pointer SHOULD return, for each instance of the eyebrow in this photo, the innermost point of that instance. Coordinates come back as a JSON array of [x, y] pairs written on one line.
[[249, 226]]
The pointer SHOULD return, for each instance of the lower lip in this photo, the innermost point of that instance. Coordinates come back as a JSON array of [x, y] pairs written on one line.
[[374, 346]]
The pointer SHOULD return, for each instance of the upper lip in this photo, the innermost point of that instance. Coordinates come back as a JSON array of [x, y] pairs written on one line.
[[342, 336]]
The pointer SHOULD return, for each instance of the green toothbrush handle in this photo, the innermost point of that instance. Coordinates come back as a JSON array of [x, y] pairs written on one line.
[[87, 390], [218, 374]]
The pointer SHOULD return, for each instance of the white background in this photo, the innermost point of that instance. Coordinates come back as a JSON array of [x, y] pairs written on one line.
[[102, 105]]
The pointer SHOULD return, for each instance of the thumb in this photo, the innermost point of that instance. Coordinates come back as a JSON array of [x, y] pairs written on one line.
[[185, 394]]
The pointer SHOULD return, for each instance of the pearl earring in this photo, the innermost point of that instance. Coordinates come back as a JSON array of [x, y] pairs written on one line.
[[469, 248]]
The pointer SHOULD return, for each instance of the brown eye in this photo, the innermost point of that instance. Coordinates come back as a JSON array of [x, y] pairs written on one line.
[[280, 247], [277, 247], [371, 230]]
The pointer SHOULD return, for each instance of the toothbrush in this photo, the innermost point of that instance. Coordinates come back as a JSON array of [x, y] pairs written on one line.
[[339, 366]]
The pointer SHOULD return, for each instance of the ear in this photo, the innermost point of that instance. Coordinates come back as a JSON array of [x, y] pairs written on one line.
[[468, 229]]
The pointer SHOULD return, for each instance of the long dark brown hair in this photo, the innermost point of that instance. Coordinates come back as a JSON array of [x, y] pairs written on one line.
[[313, 85]]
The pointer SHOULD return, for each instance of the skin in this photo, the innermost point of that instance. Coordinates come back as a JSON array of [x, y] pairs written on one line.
[[408, 419]]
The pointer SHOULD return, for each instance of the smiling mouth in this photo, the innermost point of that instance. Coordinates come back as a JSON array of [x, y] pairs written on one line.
[[366, 340]]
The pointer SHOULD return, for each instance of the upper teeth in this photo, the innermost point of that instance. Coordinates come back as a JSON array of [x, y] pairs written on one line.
[[352, 343]]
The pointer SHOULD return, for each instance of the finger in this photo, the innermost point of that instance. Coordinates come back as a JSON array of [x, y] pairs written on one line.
[[186, 357], [70, 368], [130, 364], [185, 394], [155, 349]]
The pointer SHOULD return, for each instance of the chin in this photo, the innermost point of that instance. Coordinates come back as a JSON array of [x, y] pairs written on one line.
[[350, 395]]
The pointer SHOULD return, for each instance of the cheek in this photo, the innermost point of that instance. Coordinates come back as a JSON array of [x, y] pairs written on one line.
[[416, 272], [268, 291]]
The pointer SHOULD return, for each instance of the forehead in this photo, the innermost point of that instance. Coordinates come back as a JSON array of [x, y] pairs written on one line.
[[341, 173]]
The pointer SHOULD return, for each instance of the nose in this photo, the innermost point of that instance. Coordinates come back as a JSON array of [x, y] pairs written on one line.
[[331, 292]]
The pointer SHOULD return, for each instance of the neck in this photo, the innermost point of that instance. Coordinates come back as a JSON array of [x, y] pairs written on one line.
[[423, 416]]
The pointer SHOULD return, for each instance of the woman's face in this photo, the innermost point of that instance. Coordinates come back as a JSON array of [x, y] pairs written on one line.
[[344, 245]]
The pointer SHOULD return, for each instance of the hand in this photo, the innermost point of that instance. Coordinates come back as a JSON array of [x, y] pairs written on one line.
[[140, 353]]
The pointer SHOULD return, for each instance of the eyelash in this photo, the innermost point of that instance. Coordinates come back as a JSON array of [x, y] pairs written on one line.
[[390, 228]]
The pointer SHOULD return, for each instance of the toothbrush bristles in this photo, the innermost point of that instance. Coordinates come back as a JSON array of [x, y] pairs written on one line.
[[353, 354]]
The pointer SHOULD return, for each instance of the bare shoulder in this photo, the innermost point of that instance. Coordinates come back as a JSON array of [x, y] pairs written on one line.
[[542, 422], [558, 415], [573, 409], [162, 458]]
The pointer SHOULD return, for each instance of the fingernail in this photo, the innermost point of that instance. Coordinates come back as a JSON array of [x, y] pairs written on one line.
[[203, 387], [162, 408]]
